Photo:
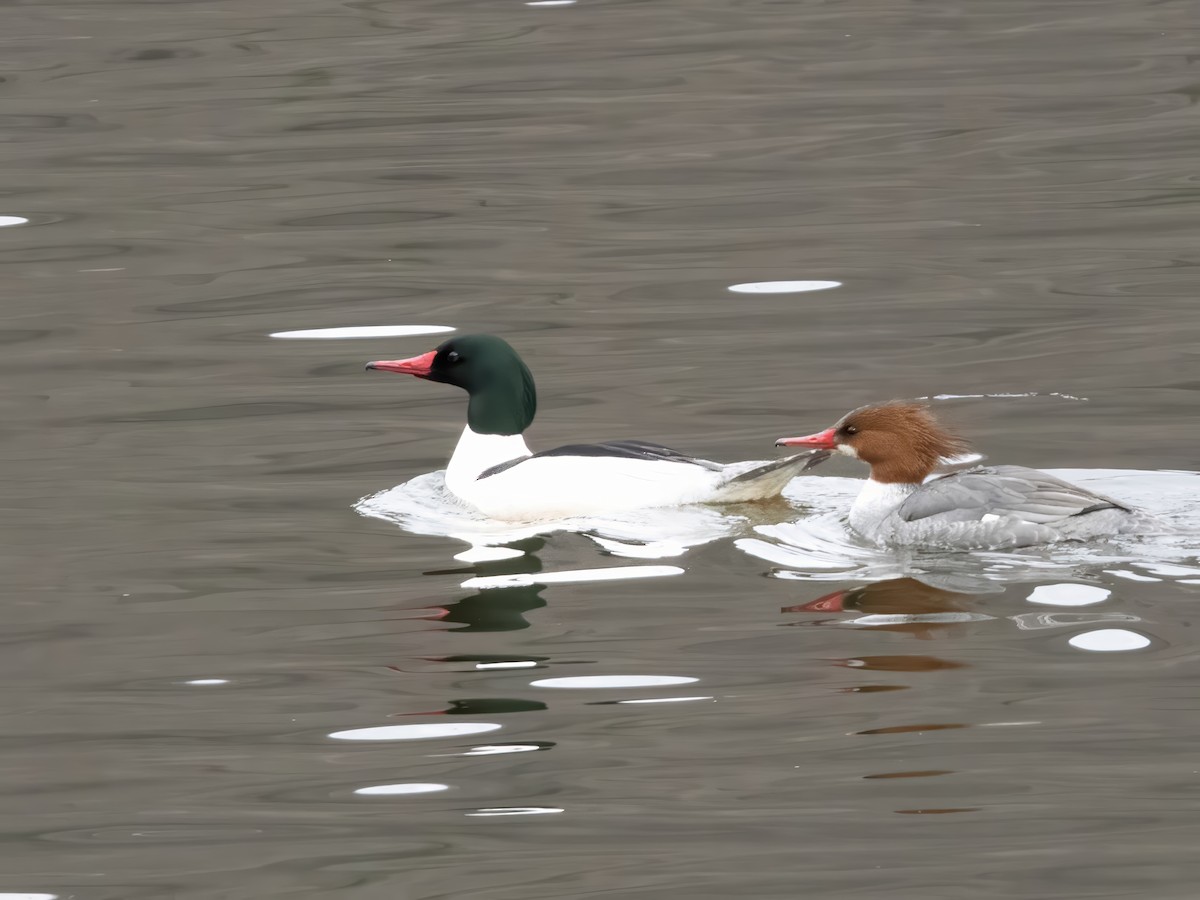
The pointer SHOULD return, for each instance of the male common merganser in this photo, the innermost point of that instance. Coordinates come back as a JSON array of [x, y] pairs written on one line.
[[492, 469], [987, 507]]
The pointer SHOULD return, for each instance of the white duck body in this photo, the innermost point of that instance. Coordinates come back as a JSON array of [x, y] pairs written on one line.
[[498, 475], [989, 508], [493, 470]]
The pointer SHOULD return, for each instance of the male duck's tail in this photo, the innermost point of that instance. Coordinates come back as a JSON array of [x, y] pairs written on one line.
[[761, 480]]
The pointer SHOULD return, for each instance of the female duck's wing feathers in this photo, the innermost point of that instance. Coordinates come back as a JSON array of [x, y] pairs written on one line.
[[1026, 494]]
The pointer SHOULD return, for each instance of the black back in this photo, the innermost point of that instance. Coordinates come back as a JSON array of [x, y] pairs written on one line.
[[619, 449]]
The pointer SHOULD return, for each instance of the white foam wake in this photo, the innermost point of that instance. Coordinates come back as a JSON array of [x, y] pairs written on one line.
[[423, 505]]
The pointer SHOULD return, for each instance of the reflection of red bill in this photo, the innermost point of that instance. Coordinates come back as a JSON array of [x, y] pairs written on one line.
[[834, 602]]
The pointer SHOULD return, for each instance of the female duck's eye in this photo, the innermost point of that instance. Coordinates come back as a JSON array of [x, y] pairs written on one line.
[[850, 429], [452, 356]]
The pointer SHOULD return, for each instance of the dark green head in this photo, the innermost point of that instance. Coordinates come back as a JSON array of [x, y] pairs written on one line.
[[503, 398]]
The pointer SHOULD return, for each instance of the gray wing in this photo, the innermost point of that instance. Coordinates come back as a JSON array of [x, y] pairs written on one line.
[[1026, 494]]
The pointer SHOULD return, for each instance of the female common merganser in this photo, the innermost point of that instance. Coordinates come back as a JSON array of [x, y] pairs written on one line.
[[986, 507], [493, 471]]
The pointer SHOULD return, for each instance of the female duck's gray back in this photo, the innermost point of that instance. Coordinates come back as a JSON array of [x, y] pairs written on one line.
[[994, 507]]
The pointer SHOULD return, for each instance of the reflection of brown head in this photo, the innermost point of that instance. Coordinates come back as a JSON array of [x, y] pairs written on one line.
[[902, 441], [894, 597]]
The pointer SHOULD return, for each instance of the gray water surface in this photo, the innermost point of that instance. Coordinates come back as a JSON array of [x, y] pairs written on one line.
[[1007, 192]]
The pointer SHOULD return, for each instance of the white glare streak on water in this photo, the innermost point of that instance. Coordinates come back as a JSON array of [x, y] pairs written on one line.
[[613, 681], [782, 287], [1172, 571], [352, 332], [414, 732], [662, 700], [1110, 640], [380, 790], [1130, 576], [1004, 395], [614, 573], [1068, 594], [514, 664], [500, 749]]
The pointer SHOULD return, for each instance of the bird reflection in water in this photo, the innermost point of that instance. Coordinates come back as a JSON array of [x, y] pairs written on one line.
[[899, 663], [487, 706], [904, 605], [908, 606], [496, 609]]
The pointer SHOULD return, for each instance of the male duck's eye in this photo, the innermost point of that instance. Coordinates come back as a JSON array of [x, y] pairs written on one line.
[[452, 356]]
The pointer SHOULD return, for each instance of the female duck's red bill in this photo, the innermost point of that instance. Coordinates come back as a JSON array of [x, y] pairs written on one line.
[[822, 440], [420, 366]]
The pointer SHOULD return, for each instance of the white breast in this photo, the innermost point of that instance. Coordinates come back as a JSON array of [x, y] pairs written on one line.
[[476, 453], [875, 503]]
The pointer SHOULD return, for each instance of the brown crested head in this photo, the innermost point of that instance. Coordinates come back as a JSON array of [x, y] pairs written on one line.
[[902, 441]]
